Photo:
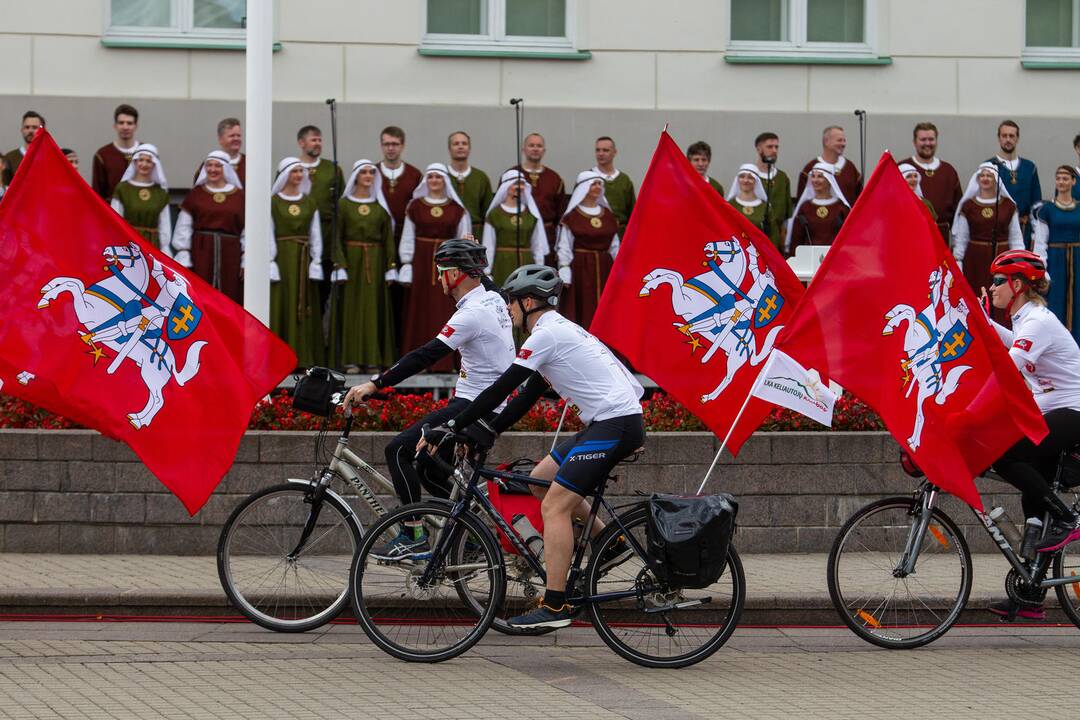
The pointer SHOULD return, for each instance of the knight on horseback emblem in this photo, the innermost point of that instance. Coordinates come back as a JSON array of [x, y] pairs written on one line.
[[935, 336], [723, 306], [118, 314]]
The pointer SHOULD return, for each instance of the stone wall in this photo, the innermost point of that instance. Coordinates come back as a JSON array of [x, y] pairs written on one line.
[[74, 491]]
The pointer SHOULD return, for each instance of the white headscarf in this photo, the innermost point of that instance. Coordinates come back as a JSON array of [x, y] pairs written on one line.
[[505, 183], [906, 169], [759, 188], [581, 189], [421, 190], [973, 187], [829, 171], [283, 169], [376, 188], [230, 172], [157, 174]]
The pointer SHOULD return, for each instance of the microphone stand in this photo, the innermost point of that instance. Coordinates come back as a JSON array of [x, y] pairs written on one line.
[[336, 318], [768, 196], [519, 123], [861, 114]]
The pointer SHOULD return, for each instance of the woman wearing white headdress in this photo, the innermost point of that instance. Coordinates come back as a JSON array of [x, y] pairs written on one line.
[[587, 244], [296, 263], [142, 198], [820, 212], [367, 257], [513, 228], [209, 233], [434, 214], [914, 180], [747, 195], [986, 217]]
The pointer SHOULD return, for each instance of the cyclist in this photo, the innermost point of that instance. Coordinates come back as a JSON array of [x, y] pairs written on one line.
[[1049, 359], [480, 329], [580, 368]]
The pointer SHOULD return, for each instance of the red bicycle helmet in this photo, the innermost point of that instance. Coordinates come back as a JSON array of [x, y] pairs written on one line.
[[1019, 262]]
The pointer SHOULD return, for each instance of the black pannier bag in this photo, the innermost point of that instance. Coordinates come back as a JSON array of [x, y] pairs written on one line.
[[314, 390], [688, 538]]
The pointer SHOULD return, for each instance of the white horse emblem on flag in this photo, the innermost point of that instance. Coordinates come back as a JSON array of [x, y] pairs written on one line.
[[937, 335], [116, 313], [723, 306]]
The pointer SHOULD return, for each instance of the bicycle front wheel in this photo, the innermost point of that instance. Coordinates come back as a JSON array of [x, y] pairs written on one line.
[[658, 626], [273, 579], [410, 603], [1067, 564], [875, 598]]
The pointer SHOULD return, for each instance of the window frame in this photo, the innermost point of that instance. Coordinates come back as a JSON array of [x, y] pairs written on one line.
[[180, 33], [1040, 54], [496, 40], [797, 47]]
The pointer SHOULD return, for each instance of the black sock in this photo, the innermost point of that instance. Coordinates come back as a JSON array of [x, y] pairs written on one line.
[[554, 599]]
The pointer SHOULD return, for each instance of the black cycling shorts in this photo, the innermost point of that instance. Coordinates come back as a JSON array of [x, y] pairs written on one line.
[[586, 460]]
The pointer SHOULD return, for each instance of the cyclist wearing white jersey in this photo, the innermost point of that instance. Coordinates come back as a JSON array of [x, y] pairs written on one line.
[[1049, 360], [560, 354], [480, 329]]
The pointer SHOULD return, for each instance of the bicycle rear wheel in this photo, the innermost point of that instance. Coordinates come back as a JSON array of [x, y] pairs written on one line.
[[1067, 564], [262, 577], [679, 636], [869, 592], [411, 606]]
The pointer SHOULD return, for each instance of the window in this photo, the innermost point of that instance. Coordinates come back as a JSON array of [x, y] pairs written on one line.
[[1052, 31], [803, 29], [171, 23], [486, 26]]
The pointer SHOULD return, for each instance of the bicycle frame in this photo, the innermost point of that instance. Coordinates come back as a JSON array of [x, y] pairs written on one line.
[[472, 494], [1032, 574]]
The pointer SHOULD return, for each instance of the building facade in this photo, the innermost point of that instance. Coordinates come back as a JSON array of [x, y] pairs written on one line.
[[719, 70]]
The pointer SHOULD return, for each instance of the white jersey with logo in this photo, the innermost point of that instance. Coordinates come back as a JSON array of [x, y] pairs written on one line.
[[481, 330], [1047, 356], [581, 369]]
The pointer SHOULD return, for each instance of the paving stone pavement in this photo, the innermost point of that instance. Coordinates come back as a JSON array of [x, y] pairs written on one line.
[[141, 582], [147, 671]]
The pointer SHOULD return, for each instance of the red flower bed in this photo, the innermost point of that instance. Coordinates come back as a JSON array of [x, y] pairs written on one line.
[[400, 410]]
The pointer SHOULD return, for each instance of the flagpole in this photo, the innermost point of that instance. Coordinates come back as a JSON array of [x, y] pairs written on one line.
[[757, 381], [258, 108]]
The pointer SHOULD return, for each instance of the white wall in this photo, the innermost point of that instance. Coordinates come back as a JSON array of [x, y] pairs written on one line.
[[949, 57]]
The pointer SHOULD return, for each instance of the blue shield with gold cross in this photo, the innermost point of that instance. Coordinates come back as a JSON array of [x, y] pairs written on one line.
[[954, 343], [183, 319], [768, 307]]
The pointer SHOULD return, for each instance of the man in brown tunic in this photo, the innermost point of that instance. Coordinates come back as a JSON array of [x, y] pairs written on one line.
[[111, 160], [547, 187], [31, 121], [833, 144], [230, 139], [939, 182]]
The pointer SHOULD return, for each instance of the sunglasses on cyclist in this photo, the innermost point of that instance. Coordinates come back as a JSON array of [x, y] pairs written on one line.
[[999, 280]]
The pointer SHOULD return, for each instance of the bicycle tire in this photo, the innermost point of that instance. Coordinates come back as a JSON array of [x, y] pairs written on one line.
[[520, 580], [887, 624], [387, 597], [712, 623], [1067, 564], [280, 512]]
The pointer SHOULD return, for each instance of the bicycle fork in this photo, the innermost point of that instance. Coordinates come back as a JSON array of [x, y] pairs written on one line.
[[913, 546]]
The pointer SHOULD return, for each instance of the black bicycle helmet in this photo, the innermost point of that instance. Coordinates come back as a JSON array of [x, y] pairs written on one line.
[[465, 255], [538, 281]]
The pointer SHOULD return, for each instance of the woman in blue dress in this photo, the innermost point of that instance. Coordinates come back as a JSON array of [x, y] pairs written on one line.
[[1057, 239]]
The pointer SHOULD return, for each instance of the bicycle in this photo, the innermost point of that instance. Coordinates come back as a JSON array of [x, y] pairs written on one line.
[[411, 609], [285, 552], [900, 571]]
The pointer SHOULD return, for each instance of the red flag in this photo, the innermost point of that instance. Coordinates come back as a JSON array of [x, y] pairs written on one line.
[[697, 296], [892, 319], [97, 325]]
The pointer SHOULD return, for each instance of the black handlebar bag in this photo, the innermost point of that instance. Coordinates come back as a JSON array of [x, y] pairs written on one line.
[[314, 390], [688, 538]]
